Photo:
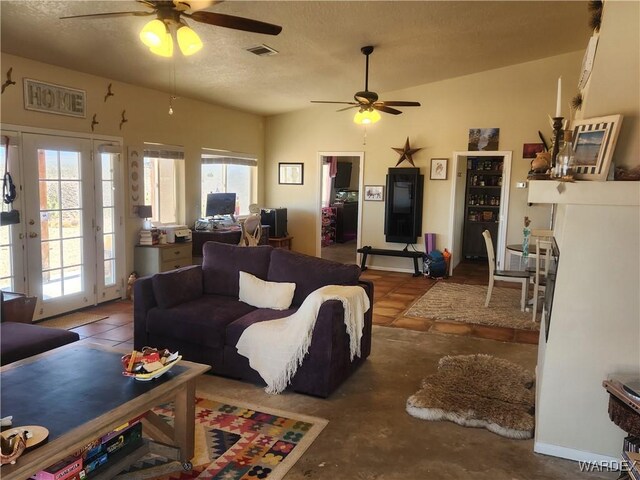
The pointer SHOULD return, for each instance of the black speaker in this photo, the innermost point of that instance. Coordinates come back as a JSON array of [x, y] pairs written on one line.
[[403, 209], [276, 218]]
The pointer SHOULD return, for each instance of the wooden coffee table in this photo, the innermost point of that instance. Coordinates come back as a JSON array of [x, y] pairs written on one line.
[[78, 393]]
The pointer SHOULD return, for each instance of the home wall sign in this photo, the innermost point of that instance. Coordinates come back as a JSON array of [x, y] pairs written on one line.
[[51, 98]]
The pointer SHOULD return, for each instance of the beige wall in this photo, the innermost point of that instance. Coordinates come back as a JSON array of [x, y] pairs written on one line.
[[614, 84], [516, 99], [193, 125]]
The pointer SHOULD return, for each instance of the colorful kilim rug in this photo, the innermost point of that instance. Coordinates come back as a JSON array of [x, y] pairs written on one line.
[[241, 442]]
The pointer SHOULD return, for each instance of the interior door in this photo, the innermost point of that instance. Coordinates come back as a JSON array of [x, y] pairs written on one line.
[[60, 223]]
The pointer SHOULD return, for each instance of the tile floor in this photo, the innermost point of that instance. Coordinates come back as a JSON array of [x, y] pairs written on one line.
[[394, 293]]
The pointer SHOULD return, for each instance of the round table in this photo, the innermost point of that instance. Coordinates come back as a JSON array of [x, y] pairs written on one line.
[[514, 260]]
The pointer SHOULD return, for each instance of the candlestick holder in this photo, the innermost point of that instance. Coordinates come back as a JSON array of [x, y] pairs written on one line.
[[557, 135]]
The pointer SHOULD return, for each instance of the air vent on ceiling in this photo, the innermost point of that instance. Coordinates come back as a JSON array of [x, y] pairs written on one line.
[[262, 50]]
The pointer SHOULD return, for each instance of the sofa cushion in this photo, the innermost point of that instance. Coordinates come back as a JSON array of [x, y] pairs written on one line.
[[235, 328], [200, 321], [222, 263], [177, 286], [22, 340], [308, 273], [262, 294]]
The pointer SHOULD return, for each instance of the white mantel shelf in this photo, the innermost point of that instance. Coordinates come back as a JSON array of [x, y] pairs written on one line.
[[585, 193]]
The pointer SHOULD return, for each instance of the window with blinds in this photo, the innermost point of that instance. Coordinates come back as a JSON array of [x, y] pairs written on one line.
[[164, 183], [227, 172]]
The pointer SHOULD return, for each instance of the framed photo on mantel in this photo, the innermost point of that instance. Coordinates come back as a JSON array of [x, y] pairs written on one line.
[[594, 140]]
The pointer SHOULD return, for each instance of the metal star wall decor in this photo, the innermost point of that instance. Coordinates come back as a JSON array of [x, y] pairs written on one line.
[[406, 153]]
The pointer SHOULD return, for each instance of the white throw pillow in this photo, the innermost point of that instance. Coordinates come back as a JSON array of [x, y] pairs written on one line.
[[261, 294]]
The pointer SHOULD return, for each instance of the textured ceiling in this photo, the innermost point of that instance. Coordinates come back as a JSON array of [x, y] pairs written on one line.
[[416, 42]]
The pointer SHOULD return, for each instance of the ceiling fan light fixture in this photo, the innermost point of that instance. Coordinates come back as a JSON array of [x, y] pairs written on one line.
[[165, 49], [153, 32], [188, 40], [366, 117]]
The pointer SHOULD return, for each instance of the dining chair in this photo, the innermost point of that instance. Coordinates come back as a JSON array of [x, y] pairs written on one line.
[[516, 276], [543, 256], [251, 231]]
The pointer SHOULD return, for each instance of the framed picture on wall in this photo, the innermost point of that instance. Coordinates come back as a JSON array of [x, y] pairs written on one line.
[[374, 193], [290, 173], [439, 168]]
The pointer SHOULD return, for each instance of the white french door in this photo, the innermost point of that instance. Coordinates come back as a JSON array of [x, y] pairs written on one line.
[[109, 205], [71, 223]]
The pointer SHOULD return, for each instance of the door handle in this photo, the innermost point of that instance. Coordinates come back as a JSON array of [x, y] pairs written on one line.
[[98, 228], [33, 234]]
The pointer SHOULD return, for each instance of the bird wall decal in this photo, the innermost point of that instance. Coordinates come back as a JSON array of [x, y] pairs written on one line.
[[123, 119], [94, 122], [109, 93], [406, 153], [8, 81]]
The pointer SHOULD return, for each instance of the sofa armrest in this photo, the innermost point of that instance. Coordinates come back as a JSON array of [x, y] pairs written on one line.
[[368, 319], [143, 301]]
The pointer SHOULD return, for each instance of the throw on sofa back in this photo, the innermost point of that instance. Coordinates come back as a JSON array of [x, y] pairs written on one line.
[[308, 273]]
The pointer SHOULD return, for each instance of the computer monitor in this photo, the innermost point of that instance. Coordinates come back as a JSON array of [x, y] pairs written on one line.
[[220, 204]]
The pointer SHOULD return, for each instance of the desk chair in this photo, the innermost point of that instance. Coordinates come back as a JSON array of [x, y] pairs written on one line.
[[543, 248], [251, 231], [517, 276]]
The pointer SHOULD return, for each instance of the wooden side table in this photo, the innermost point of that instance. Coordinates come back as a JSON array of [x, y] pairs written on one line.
[[281, 242], [16, 307]]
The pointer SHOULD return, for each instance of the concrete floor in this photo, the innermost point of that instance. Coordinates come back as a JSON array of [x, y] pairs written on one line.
[[371, 437]]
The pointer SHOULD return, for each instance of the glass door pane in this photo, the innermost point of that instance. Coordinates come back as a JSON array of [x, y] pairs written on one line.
[[12, 236], [109, 229]]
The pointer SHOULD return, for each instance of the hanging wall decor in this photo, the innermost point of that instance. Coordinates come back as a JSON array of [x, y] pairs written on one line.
[[123, 120], [135, 191], [406, 153], [94, 122], [483, 139], [109, 93], [8, 81], [51, 98]]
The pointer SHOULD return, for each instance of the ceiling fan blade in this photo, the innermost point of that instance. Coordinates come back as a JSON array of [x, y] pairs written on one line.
[[237, 23], [384, 109], [348, 108], [329, 101], [400, 104], [138, 13]]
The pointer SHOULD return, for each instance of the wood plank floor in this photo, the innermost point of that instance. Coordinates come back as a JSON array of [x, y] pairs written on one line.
[[394, 293]]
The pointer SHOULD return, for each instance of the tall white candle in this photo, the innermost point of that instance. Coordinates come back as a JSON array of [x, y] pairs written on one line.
[[559, 98]]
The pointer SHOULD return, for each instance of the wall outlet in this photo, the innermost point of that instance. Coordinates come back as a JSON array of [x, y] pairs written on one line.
[[521, 185]]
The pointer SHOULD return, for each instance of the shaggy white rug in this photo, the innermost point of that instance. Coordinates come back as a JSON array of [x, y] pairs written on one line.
[[478, 391]]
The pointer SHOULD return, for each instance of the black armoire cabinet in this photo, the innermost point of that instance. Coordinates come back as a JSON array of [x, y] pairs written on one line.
[[403, 208]]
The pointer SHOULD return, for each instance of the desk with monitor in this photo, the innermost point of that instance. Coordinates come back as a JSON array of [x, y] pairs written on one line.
[[229, 235]]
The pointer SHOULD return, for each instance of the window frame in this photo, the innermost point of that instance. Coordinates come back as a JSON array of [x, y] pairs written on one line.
[[226, 158], [154, 152]]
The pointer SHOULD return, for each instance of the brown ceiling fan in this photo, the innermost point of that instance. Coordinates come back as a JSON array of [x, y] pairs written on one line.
[[367, 101], [170, 12]]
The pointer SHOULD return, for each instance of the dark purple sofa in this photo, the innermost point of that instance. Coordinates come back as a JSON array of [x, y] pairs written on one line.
[[22, 340], [196, 311]]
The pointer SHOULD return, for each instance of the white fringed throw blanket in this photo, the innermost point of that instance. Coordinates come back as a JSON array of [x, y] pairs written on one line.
[[276, 348]]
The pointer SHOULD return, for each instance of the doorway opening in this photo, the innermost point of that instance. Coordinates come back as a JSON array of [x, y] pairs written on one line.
[[340, 205], [480, 201]]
